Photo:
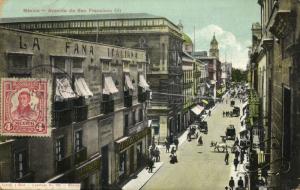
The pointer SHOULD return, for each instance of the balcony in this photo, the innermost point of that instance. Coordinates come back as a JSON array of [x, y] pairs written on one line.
[[28, 177], [63, 117], [127, 101], [107, 106], [63, 165], [80, 156], [80, 113], [142, 97]]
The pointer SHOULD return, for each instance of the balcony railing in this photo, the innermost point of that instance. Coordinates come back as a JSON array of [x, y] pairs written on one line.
[[63, 165], [80, 113], [107, 107], [80, 156], [63, 117], [127, 101], [28, 177], [142, 97]]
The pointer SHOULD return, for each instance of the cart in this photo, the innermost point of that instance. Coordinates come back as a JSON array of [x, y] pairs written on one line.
[[230, 132]]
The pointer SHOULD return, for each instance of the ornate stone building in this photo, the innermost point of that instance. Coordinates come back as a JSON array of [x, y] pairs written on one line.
[[159, 37], [99, 127], [274, 66]]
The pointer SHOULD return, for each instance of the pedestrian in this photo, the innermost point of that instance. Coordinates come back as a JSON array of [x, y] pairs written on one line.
[[231, 183], [242, 157], [173, 151], [151, 164], [226, 157], [240, 182], [237, 153], [209, 113], [226, 188], [223, 113], [235, 163], [157, 154], [246, 181], [167, 146], [200, 142], [176, 142]]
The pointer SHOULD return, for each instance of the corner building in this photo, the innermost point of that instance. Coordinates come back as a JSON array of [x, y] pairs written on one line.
[[159, 37], [99, 128]]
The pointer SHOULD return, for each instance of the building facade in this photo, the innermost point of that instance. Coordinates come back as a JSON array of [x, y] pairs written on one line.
[[274, 66], [99, 133], [159, 37]]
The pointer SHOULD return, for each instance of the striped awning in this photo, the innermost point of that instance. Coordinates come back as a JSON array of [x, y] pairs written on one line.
[[109, 86], [128, 82], [82, 88], [63, 90], [143, 83]]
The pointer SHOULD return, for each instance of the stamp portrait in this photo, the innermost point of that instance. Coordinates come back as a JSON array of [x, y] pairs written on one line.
[[25, 107]]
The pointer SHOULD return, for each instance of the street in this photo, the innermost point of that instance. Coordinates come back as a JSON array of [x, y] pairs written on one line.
[[198, 167]]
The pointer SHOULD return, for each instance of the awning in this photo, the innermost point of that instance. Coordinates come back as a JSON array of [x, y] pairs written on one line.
[[143, 83], [82, 88], [245, 104], [204, 101], [208, 86], [197, 109], [63, 90], [243, 117], [128, 82], [109, 86]]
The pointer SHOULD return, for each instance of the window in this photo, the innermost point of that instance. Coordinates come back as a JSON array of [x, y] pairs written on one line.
[[59, 148], [140, 65], [78, 140], [107, 23], [126, 66], [58, 64], [122, 163], [77, 65], [133, 118], [141, 115], [21, 163], [105, 65], [150, 22], [126, 125], [17, 61], [125, 23], [137, 22]]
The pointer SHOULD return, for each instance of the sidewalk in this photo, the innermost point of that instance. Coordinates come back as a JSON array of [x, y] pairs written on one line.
[[142, 178]]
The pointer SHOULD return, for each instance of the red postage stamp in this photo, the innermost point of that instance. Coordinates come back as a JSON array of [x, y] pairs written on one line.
[[25, 107]]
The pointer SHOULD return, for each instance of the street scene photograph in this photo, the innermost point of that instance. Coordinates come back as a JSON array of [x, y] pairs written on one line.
[[150, 95]]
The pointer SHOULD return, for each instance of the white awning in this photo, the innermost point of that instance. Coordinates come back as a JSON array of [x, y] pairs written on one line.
[[109, 86], [245, 104], [82, 88], [63, 90], [197, 109], [208, 86], [143, 83], [128, 82], [243, 117]]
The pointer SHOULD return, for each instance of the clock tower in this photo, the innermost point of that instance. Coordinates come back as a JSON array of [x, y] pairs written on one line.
[[214, 49]]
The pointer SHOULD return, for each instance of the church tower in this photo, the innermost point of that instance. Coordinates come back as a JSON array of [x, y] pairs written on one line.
[[214, 49]]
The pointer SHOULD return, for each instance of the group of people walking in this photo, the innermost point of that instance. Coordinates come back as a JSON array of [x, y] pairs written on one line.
[[154, 157], [239, 156]]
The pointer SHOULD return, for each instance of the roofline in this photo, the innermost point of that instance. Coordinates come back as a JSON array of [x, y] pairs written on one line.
[[70, 16]]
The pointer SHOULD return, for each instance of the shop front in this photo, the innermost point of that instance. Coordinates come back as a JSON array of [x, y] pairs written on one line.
[[131, 153], [88, 173]]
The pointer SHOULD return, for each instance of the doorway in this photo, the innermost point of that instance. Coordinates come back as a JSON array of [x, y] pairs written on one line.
[[105, 167]]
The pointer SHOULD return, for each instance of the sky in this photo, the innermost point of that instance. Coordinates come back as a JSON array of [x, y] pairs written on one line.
[[230, 20]]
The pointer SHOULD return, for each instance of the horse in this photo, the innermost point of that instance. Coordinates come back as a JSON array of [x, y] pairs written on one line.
[[218, 146]]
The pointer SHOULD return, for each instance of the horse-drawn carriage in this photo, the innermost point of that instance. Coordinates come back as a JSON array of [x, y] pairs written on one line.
[[192, 134], [230, 132]]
